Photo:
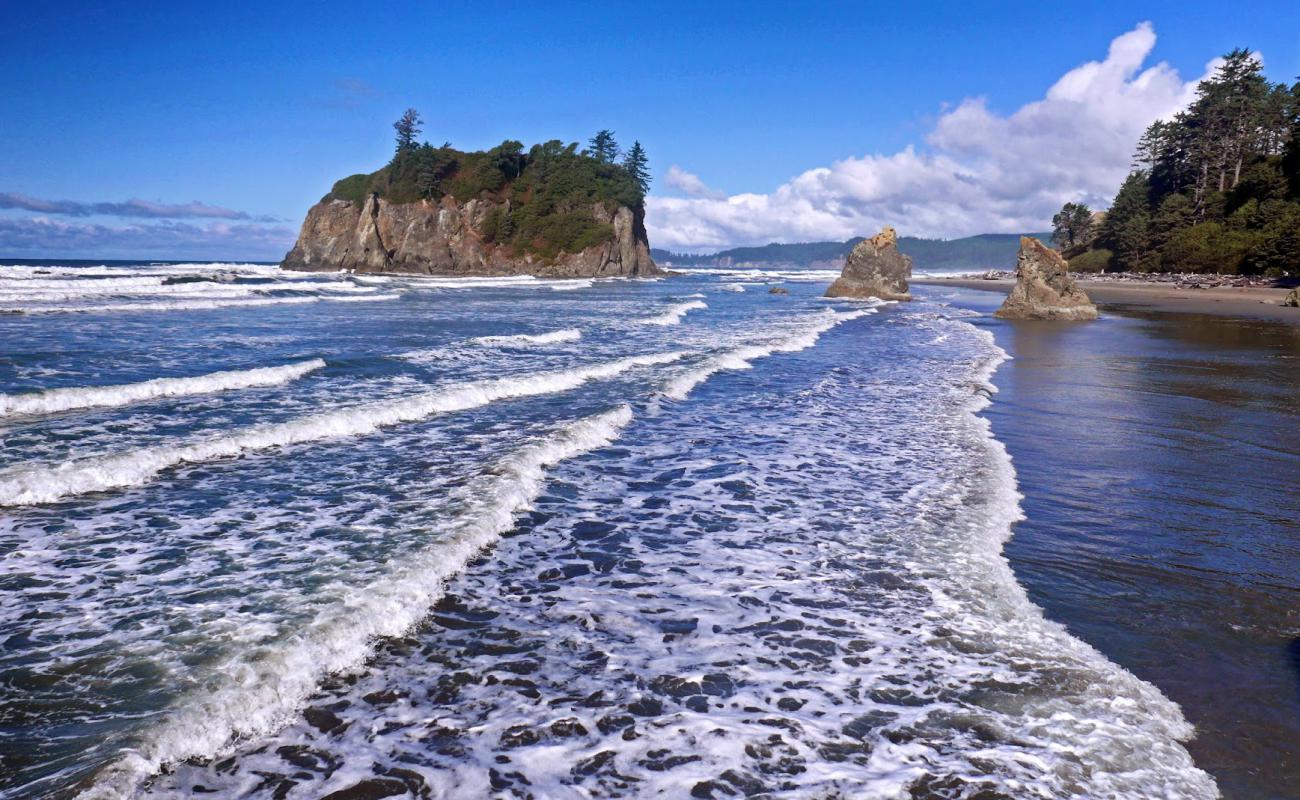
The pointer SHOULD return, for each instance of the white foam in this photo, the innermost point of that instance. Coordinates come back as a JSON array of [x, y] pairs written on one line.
[[525, 339], [675, 313], [49, 483], [734, 287], [55, 400], [739, 358], [809, 275], [191, 305], [257, 694]]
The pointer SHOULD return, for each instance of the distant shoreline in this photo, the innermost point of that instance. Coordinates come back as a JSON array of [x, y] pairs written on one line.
[[1252, 302]]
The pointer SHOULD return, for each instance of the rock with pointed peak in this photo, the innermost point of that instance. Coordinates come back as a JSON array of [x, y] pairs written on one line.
[[875, 268], [1044, 288]]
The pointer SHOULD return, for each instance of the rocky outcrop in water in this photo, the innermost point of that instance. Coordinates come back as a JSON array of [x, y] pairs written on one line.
[[875, 268], [446, 237], [1292, 300], [1044, 288]]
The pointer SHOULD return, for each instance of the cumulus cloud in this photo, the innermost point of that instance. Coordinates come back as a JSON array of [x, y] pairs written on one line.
[[689, 184], [44, 237], [127, 208], [978, 171]]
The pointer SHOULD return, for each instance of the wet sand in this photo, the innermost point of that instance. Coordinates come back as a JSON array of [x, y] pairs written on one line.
[[1159, 456], [1251, 302]]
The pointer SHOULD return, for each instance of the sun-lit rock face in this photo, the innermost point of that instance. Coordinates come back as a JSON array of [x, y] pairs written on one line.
[[446, 237], [1044, 288], [875, 268]]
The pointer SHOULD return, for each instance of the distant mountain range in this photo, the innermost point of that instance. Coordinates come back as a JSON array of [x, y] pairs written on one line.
[[985, 251]]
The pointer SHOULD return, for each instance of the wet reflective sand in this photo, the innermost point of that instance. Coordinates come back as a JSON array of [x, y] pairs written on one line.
[[1159, 455]]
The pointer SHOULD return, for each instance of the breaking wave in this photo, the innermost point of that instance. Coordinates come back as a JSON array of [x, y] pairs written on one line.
[[674, 314], [193, 305], [525, 339], [255, 696], [740, 357], [47, 484], [55, 400]]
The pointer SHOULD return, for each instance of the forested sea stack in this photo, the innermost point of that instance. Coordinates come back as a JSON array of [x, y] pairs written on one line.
[[875, 268], [551, 211], [1044, 288]]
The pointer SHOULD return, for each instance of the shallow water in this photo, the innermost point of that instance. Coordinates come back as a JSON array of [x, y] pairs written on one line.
[[1160, 459], [717, 542]]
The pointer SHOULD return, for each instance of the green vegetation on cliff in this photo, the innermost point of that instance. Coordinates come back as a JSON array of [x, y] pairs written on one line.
[[1215, 189], [544, 197]]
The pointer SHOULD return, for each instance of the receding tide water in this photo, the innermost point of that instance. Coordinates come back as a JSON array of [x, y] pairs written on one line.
[[285, 535]]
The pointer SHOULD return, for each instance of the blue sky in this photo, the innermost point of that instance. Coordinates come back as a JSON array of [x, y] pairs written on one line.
[[257, 111]]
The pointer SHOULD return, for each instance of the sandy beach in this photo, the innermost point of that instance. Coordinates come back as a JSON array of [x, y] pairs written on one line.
[[1251, 302]]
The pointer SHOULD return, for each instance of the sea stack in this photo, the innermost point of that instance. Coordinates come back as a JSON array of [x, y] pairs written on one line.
[[1044, 288], [448, 237], [875, 268]]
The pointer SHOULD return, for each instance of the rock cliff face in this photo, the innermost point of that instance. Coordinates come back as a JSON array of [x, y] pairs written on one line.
[[1044, 288], [447, 238], [875, 268]]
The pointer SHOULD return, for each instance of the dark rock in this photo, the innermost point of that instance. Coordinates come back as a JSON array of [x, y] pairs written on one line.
[[567, 728], [875, 268], [322, 719], [1044, 288], [778, 290], [369, 789], [646, 707]]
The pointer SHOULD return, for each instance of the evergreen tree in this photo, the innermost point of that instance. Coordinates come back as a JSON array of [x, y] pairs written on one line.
[[408, 127], [1072, 225], [603, 147], [635, 162], [1126, 229]]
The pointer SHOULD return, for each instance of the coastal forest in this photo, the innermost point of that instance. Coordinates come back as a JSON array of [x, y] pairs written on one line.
[[542, 196], [1215, 189]]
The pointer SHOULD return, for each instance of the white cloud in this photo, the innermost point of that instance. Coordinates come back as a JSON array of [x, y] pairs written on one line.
[[690, 184], [980, 172]]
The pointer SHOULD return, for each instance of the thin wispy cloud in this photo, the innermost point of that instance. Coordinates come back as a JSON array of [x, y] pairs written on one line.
[[42, 236], [980, 171], [127, 208], [349, 94], [689, 184]]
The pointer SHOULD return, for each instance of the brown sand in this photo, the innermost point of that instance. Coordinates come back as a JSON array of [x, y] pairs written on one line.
[[1252, 302]]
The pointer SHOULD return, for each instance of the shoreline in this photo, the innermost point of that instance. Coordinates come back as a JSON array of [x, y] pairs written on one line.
[[1250, 302], [1132, 539]]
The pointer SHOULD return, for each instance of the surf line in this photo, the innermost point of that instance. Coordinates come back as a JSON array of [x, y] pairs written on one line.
[[52, 401], [344, 634], [50, 483]]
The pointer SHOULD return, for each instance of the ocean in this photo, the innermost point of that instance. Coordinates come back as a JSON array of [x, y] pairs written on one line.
[[269, 534]]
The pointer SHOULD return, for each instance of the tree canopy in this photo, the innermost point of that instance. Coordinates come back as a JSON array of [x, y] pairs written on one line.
[[1216, 188], [542, 196], [1072, 225], [408, 127]]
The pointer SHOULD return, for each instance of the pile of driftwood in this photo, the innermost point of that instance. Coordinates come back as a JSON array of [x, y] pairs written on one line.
[[1180, 280]]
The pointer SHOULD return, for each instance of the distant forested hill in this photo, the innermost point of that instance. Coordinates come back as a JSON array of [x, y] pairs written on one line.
[[985, 251]]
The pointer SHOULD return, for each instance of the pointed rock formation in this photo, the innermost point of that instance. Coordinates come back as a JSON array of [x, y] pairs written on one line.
[[1044, 288], [875, 268]]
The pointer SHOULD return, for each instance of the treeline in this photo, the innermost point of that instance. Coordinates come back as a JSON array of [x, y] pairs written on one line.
[[985, 251], [543, 196], [1215, 189]]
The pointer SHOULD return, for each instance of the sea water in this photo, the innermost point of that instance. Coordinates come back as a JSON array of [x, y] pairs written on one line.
[[273, 534]]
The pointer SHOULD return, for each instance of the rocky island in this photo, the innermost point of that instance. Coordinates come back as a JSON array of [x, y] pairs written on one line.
[[550, 211], [875, 268], [1044, 288]]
